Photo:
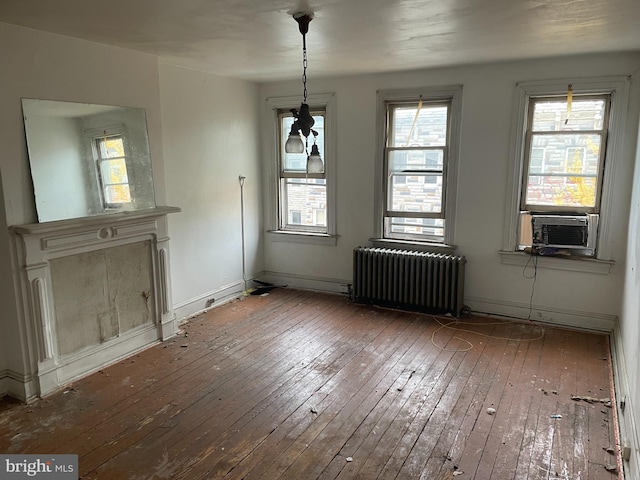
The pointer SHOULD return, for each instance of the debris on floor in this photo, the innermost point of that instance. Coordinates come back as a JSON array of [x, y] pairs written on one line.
[[491, 411], [449, 474], [349, 459], [557, 415], [605, 401]]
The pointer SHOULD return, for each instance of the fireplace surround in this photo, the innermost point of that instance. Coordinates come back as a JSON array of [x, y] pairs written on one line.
[[94, 290]]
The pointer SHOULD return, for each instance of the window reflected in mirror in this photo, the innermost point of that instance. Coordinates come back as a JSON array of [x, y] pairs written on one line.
[[87, 159]]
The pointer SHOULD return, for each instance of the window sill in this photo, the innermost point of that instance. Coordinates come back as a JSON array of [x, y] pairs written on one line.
[[302, 237], [413, 245], [573, 264]]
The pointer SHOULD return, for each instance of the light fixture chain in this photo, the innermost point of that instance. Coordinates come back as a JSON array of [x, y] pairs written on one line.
[[304, 66]]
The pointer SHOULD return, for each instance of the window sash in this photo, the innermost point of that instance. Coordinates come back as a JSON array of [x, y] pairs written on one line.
[[530, 134], [434, 233], [109, 188], [304, 207]]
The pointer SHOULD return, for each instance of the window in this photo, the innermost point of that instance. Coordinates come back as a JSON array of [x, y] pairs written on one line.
[[303, 204], [565, 158], [301, 193], [112, 170], [418, 131]]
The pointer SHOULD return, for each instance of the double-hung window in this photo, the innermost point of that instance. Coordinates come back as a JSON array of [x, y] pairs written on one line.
[[420, 133], [303, 203], [568, 135], [112, 170], [303, 195]]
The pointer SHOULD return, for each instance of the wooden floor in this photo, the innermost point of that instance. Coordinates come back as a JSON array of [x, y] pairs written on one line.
[[299, 385]]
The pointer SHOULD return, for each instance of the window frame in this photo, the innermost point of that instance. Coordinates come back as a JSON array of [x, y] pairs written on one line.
[[452, 95], [618, 89], [275, 105]]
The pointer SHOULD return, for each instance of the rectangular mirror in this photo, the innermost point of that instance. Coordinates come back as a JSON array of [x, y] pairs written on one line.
[[87, 159]]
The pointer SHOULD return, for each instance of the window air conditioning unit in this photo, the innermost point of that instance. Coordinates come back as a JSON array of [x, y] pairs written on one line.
[[565, 231]]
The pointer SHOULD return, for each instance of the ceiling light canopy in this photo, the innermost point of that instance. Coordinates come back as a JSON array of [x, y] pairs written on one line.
[[302, 126]]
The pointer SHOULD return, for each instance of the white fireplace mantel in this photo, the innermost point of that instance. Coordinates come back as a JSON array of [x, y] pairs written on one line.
[[40, 244]]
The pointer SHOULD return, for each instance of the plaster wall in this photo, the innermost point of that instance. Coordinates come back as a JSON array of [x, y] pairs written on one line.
[[627, 335], [577, 298], [210, 127], [8, 300]]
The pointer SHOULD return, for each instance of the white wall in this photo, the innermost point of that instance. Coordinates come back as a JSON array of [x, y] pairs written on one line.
[[41, 65], [573, 298], [210, 133], [7, 300], [628, 334]]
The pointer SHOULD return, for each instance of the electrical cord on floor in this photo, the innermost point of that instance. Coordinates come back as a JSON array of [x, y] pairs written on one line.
[[453, 326], [534, 277]]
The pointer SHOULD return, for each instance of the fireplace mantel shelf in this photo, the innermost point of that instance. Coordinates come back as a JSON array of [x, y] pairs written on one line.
[[92, 221]]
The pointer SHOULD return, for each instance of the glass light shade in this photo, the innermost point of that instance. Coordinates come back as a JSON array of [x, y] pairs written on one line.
[[294, 144], [314, 161]]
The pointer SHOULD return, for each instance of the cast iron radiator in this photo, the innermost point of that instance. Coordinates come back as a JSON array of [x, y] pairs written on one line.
[[419, 281]]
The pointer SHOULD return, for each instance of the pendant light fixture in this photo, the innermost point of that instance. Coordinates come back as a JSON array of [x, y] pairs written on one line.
[[303, 120]]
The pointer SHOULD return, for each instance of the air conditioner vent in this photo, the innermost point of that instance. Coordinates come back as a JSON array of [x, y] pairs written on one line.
[[564, 231]]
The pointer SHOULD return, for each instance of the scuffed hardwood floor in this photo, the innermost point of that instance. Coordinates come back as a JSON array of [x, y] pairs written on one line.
[[300, 385]]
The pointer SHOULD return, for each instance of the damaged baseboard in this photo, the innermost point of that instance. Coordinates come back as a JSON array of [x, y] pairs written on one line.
[[625, 409]]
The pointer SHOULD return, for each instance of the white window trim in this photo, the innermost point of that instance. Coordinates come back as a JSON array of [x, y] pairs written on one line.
[[453, 92], [618, 88], [328, 101]]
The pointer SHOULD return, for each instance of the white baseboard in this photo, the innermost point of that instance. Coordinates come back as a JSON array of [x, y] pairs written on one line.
[[196, 305], [626, 417], [17, 385], [25, 387], [92, 359], [561, 317], [307, 282]]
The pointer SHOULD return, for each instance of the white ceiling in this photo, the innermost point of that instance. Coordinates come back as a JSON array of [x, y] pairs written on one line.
[[259, 40]]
